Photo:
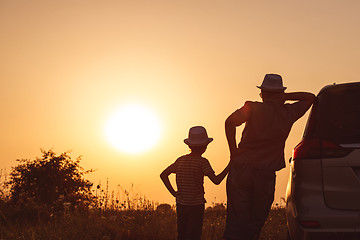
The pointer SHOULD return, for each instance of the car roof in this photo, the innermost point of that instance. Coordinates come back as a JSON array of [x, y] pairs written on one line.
[[339, 87]]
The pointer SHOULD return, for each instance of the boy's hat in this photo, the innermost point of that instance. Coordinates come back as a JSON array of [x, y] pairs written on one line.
[[272, 83], [198, 137]]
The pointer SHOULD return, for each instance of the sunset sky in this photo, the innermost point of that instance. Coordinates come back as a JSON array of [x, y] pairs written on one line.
[[67, 66]]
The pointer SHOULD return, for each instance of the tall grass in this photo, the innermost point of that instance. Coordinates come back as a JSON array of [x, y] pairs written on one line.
[[128, 224], [116, 215]]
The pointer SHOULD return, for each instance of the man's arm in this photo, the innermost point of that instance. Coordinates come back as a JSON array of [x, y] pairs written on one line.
[[234, 120], [217, 179], [300, 96], [304, 100], [165, 178]]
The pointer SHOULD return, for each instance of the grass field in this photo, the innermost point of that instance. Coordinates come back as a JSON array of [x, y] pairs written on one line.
[[125, 215], [123, 224]]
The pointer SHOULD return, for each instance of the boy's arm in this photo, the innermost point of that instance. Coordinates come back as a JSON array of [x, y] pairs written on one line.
[[217, 179], [165, 178]]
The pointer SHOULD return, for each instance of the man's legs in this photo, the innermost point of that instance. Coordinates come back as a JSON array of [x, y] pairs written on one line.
[[262, 199], [238, 189], [250, 195]]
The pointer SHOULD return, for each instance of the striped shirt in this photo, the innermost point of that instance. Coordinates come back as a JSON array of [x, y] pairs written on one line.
[[190, 172]]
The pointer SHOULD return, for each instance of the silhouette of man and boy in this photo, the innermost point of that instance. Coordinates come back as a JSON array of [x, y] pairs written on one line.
[[252, 168]]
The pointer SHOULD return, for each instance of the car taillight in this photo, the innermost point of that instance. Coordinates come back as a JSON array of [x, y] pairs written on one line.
[[318, 148], [310, 224]]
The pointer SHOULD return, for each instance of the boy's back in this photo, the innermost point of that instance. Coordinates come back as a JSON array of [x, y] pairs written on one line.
[[190, 171]]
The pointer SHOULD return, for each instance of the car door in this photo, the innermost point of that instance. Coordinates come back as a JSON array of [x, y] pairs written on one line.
[[339, 115]]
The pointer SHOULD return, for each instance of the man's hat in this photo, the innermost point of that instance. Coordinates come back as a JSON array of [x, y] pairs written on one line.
[[272, 83], [198, 137]]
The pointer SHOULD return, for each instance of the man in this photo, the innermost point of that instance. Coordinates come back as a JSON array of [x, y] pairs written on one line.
[[260, 153]]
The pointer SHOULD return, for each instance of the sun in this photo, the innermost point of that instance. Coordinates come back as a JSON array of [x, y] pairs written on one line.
[[133, 129]]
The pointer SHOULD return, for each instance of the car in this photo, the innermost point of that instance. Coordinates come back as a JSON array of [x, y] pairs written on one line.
[[323, 190]]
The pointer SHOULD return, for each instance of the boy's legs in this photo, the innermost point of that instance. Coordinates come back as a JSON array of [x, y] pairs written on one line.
[[190, 221], [181, 213], [195, 221]]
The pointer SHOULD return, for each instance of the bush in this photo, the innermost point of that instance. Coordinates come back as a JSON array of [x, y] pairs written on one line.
[[53, 181]]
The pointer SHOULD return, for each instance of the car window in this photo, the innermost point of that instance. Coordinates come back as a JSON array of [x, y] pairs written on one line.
[[339, 114]]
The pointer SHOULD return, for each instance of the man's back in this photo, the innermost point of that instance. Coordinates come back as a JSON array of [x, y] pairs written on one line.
[[266, 130]]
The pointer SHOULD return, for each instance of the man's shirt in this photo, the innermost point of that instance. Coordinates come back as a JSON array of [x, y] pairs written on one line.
[[263, 139]]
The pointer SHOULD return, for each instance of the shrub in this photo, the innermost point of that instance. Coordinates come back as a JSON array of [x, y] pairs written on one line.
[[54, 181]]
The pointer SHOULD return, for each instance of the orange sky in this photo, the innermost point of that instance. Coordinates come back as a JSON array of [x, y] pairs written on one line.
[[65, 66]]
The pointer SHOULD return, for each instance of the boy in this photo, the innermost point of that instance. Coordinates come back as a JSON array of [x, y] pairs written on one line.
[[190, 170]]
